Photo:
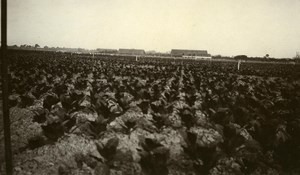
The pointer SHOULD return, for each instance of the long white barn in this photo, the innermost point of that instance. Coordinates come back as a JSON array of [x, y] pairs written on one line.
[[190, 54]]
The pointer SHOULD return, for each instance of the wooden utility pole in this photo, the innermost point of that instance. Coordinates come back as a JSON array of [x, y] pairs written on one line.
[[4, 76]]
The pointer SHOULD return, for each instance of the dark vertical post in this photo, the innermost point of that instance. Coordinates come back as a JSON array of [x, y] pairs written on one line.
[[6, 121]]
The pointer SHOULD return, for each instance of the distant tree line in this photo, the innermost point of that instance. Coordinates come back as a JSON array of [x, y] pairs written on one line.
[[246, 58], [37, 47]]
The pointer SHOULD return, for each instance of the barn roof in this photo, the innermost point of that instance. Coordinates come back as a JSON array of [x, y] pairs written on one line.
[[189, 52], [132, 51]]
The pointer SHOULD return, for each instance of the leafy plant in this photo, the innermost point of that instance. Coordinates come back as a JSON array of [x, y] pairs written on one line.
[[154, 157], [109, 149]]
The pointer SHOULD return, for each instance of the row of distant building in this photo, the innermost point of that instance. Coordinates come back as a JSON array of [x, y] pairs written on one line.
[[180, 53], [193, 54], [184, 53]]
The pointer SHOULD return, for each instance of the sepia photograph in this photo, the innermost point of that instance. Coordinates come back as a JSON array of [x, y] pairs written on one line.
[[150, 87]]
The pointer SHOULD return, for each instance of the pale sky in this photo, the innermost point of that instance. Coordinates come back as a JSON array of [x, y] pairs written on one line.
[[226, 27]]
